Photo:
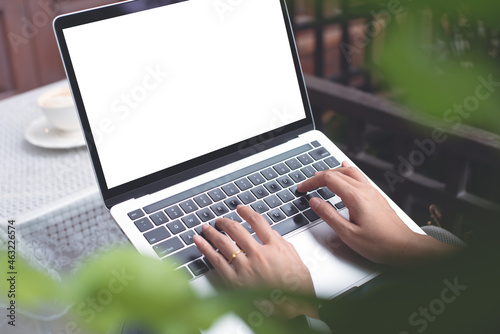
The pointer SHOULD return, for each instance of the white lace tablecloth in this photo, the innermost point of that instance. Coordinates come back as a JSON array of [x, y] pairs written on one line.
[[54, 199], [33, 177]]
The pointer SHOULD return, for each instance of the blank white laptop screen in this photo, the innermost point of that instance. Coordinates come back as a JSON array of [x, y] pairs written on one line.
[[166, 85]]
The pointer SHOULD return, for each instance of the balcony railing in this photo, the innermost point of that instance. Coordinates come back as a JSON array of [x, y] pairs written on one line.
[[459, 154]]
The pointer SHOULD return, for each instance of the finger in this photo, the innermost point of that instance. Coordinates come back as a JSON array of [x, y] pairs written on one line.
[[238, 233], [332, 179], [353, 172], [315, 182], [216, 259], [329, 214], [222, 242], [258, 223]]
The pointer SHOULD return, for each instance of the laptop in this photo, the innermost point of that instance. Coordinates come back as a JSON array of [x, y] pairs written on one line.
[[192, 107]]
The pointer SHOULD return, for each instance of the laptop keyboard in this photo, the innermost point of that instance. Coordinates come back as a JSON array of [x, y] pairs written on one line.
[[269, 188]]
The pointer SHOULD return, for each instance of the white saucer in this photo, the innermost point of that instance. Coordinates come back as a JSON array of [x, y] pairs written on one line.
[[42, 134]]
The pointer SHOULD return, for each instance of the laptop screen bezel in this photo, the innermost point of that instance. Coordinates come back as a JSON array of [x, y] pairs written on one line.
[[189, 169]]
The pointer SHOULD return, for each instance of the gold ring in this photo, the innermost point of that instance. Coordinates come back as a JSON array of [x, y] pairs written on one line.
[[234, 256]]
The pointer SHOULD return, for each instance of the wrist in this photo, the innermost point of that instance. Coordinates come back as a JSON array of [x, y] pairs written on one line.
[[422, 251]]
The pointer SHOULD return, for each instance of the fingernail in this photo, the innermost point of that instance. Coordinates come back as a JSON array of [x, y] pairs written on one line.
[[314, 202], [346, 164], [204, 227]]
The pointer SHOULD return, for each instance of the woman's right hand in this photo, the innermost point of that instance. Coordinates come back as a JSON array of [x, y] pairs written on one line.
[[374, 231]]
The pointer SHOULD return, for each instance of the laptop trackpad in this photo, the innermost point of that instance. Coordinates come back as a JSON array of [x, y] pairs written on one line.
[[334, 267]]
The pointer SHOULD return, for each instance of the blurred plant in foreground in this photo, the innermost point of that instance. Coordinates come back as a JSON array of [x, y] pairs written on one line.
[[437, 53], [123, 285]]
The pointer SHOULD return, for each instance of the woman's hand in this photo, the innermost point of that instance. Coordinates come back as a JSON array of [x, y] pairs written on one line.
[[374, 231], [273, 264]]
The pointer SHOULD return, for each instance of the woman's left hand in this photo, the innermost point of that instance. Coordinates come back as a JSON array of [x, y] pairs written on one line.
[[273, 264]]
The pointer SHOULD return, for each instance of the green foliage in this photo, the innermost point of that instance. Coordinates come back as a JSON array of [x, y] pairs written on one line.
[[122, 284], [436, 51]]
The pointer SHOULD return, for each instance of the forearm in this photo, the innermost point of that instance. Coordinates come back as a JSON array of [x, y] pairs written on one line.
[[423, 251]]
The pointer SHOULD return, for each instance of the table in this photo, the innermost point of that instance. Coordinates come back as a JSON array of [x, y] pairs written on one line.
[[32, 178], [54, 199]]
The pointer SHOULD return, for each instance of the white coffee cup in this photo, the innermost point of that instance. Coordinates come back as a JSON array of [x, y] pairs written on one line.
[[59, 109]]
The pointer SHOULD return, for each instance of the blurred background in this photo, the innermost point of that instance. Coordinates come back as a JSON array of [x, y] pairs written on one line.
[[408, 89]]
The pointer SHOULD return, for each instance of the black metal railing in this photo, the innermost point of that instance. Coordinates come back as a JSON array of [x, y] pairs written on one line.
[[408, 172]]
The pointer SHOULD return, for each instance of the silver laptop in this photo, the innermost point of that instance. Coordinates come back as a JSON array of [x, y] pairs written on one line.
[[190, 108]]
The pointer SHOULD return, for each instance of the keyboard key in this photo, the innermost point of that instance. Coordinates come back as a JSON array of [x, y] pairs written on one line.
[[291, 224], [208, 263], [269, 173], [205, 214], [319, 153], [293, 164], [272, 187], [219, 209], [234, 216], [187, 237], [332, 162], [232, 203], [174, 212], [293, 190], [157, 235], [320, 166], [244, 184], [230, 189], [168, 246], [311, 195], [143, 224], [202, 200], [248, 227], [276, 215], [185, 272], [285, 181], [184, 256], [204, 237], [326, 193], [257, 178], [297, 176], [199, 230], [260, 192], [273, 201], [269, 220], [315, 143], [247, 197], [340, 205], [191, 221], [176, 227], [311, 215], [308, 171], [198, 268], [281, 169], [136, 214], [216, 195], [260, 207], [305, 159], [301, 203], [188, 206], [289, 209], [285, 195], [214, 225], [159, 218]]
